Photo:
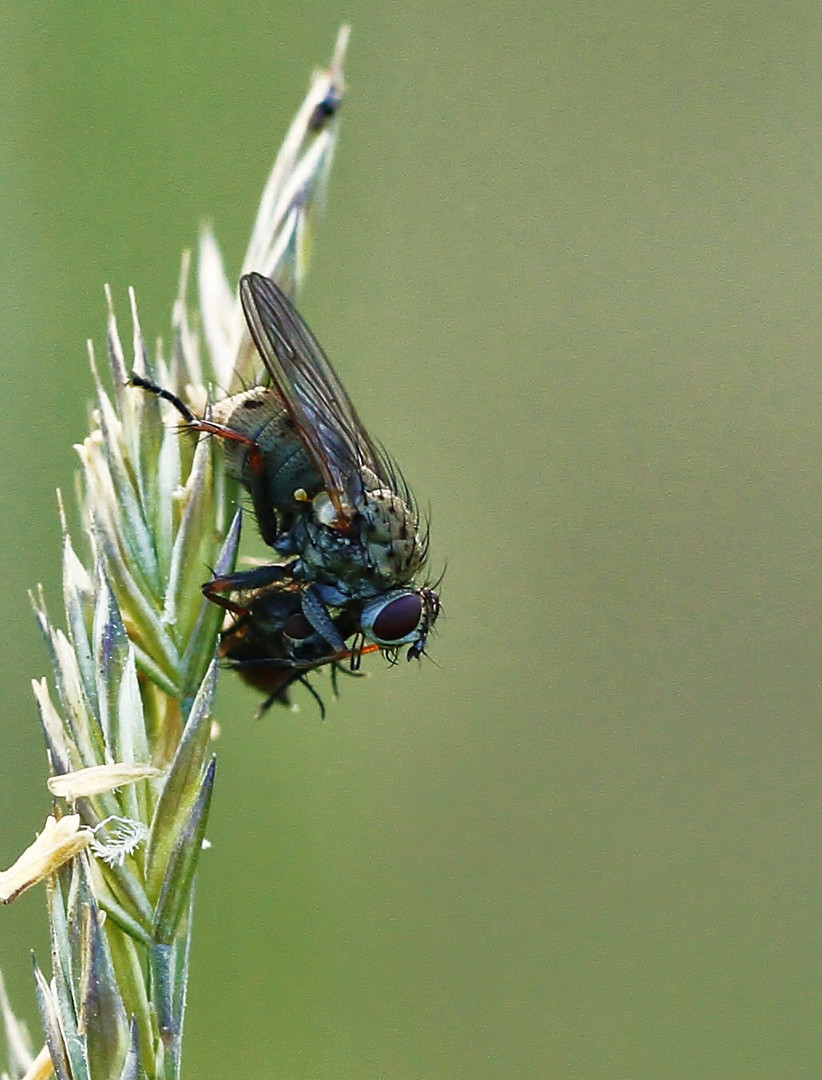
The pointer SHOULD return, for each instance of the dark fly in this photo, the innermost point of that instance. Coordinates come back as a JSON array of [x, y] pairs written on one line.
[[272, 645]]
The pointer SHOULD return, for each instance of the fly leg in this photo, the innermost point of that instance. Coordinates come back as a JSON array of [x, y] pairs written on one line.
[[260, 577], [317, 614]]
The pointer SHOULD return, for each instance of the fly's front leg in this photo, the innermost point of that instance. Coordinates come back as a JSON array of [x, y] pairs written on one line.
[[317, 614]]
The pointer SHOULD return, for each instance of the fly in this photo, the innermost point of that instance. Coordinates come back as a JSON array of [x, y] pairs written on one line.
[[271, 645], [356, 535]]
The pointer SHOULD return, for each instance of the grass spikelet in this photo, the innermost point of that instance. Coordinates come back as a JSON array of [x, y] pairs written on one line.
[[127, 718]]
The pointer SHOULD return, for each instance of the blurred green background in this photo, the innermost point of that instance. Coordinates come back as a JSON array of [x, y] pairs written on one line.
[[571, 273]]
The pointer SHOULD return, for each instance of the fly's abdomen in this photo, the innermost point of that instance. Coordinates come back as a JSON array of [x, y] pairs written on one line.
[[259, 414]]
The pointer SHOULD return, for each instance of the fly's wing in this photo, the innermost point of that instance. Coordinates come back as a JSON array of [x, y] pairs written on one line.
[[313, 395]]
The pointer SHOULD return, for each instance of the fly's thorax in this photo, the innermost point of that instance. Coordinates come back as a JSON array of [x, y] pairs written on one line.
[[382, 551], [332, 556], [259, 414], [389, 530]]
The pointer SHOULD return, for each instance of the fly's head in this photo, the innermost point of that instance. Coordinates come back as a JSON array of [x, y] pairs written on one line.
[[401, 617]]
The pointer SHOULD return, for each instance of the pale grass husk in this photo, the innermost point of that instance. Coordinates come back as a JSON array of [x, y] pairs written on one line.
[[128, 722]]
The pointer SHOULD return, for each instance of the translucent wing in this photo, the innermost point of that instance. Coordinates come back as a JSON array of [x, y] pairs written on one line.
[[313, 395]]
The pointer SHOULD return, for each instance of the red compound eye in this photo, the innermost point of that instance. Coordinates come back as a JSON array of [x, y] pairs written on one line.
[[297, 627], [397, 620]]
